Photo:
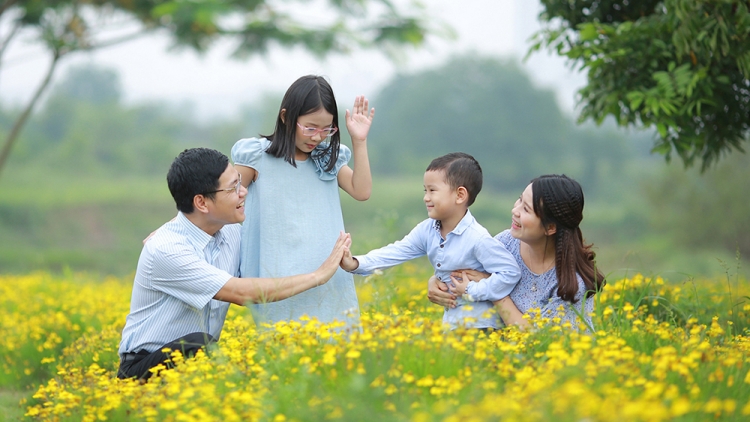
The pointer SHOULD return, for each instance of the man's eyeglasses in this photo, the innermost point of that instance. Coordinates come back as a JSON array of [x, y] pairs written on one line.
[[235, 188], [312, 131]]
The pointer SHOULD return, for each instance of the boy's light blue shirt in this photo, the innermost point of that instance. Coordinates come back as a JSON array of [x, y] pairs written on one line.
[[468, 246]]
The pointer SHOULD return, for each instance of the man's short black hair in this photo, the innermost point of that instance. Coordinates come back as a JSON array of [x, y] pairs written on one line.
[[195, 171], [460, 169]]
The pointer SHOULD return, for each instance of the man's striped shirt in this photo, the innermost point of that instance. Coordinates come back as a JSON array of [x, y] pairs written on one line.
[[180, 270]]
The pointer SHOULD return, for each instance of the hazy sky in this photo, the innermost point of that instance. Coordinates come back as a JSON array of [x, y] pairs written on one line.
[[218, 85]]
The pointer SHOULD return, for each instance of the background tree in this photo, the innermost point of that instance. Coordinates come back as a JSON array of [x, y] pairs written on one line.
[[704, 210], [88, 171], [682, 66], [85, 130], [67, 26], [490, 109]]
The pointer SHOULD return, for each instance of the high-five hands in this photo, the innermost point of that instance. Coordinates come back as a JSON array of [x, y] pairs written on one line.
[[331, 264]]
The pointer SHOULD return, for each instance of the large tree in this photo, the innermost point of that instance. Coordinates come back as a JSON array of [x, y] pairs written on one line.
[[67, 26], [682, 66]]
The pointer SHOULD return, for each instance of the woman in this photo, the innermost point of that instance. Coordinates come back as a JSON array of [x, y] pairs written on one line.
[[557, 268]]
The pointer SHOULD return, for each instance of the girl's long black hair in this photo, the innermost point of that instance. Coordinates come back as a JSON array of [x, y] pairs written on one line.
[[306, 95], [558, 200]]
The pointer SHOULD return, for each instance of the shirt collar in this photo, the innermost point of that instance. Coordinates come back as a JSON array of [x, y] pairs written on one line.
[[465, 222], [197, 237]]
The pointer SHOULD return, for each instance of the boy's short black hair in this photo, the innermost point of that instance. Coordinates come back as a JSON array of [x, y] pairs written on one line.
[[460, 169], [195, 171]]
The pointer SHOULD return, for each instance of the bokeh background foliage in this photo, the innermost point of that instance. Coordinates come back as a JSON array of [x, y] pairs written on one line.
[[87, 179], [680, 66]]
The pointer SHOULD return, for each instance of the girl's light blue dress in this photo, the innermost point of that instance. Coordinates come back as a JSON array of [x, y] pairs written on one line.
[[292, 221]]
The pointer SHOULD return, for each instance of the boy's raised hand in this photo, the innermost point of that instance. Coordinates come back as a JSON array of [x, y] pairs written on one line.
[[348, 262], [358, 121]]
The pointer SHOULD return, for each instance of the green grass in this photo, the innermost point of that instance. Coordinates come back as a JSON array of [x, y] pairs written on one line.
[[10, 407], [89, 225], [93, 224], [65, 190]]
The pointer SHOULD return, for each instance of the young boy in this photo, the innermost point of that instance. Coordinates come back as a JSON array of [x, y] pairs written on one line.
[[453, 240]]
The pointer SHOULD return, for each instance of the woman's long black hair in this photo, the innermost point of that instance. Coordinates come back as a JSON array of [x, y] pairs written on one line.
[[306, 95], [558, 199]]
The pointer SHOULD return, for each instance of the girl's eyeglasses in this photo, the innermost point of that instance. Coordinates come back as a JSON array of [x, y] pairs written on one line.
[[312, 131]]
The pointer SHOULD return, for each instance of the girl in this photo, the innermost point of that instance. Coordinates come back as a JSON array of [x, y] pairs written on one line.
[[557, 269], [293, 212]]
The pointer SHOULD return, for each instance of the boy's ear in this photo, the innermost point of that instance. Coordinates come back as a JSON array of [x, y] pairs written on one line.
[[199, 203], [282, 115], [462, 195], [550, 229]]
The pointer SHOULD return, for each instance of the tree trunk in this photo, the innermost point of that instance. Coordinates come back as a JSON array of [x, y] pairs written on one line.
[[21, 120]]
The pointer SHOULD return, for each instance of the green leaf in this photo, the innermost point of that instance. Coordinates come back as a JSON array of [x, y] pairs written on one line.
[[164, 9], [635, 98], [667, 107], [662, 148], [624, 27], [662, 128], [588, 32]]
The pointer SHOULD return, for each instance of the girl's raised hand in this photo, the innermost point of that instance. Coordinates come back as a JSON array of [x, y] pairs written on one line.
[[358, 121]]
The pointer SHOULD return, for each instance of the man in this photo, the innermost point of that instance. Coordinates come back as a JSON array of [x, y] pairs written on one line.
[[187, 272]]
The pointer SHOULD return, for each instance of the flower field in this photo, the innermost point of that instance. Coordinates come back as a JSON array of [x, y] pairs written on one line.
[[660, 352]]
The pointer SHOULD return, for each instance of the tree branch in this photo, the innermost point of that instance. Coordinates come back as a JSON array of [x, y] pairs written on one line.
[[115, 41], [4, 43], [7, 5], [21, 120]]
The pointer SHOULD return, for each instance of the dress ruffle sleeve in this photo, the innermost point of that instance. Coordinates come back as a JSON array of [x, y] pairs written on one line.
[[247, 152], [321, 160]]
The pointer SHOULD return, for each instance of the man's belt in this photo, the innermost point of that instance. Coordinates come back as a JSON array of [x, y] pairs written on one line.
[[129, 357]]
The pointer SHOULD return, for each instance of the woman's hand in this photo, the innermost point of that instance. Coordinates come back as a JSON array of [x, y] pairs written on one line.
[[472, 275], [510, 314], [439, 293], [358, 121]]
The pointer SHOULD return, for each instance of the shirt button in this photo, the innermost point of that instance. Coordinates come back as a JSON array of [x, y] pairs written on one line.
[[438, 265], [442, 245]]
